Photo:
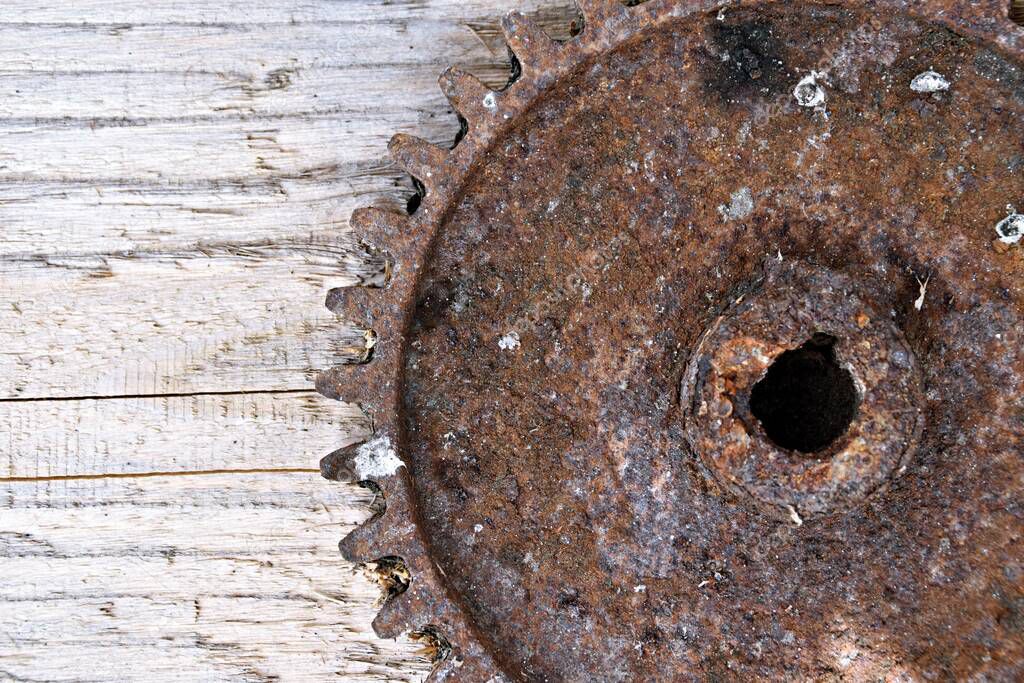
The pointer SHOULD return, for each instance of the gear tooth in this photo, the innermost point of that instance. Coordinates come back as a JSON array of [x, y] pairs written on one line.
[[598, 11], [339, 465], [457, 665], [349, 383], [380, 228], [437, 674], [419, 158], [356, 305], [361, 545], [394, 618], [352, 304], [473, 100], [527, 40]]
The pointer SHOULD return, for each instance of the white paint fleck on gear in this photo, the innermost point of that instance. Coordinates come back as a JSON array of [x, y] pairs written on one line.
[[490, 102], [808, 93], [923, 290], [477, 528], [377, 458], [795, 516], [1011, 228], [640, 589], [510, 342], [744, 132], [929, 81], [741, 205]]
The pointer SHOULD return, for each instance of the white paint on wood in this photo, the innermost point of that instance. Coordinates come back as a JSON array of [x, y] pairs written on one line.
[[175, 181]]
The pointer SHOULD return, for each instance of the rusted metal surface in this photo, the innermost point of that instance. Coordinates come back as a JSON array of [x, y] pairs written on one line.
[[881, 414], [683, 208]]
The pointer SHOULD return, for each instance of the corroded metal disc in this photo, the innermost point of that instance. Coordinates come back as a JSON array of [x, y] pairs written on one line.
[[703, 356]]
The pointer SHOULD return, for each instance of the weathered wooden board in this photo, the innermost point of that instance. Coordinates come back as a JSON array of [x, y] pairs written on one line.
[[212, 319], [196, 577], [175, 182], [388, 12], [171, 434]]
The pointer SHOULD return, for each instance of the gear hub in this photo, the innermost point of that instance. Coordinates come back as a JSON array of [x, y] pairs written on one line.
[[701, 355], [803, 425]]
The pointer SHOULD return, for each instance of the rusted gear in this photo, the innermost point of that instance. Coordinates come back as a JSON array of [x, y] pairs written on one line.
[[703, 357]]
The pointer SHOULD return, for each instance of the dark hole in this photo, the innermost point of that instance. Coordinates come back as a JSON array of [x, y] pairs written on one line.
[[806, 400], [463, 130], [393, 575], [1017, 11], [413, 205], [576, 26], [515, 69]]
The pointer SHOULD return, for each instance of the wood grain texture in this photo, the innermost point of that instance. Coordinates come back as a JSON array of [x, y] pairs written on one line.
[[170, 434], [175, 182], [212, 319], [186, 578]]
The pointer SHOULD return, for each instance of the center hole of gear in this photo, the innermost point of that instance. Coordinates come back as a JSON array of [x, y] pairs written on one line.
[[806, 400]]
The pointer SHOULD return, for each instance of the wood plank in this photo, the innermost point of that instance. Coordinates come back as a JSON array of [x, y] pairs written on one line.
[[223, 577], [103, 12], [238, 49], [172, 434], [229, 318], [210, 489], [172, 153], [45, 219], [258, 83], [400, 90]]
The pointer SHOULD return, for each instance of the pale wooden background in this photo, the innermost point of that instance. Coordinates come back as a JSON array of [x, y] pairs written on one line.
[[175, 182]]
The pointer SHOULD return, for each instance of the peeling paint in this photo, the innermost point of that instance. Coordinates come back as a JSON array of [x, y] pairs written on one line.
[[808, 92], [1011, 228], [929, 82], [377, 458]]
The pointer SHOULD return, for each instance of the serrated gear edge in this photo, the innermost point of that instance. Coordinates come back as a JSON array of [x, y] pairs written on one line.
[[390, 545]]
